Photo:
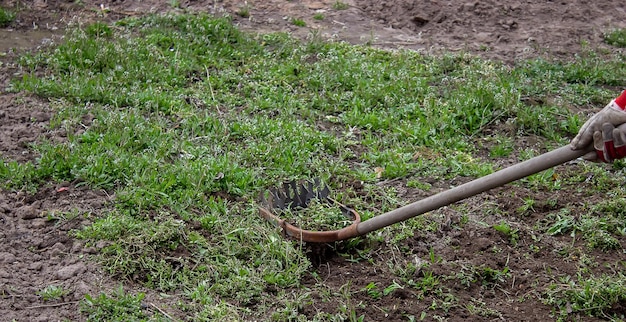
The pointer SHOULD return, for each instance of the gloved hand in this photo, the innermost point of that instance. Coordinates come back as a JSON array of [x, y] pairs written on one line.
[[613, 113], [609, 144]]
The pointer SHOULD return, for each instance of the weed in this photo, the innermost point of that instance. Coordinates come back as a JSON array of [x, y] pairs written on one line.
[[316, 216], [480, 308], [318, 16], [392, 287], [505, 229], [372, 290], [52, 292], [563, 223], [588, 295], [340, 5], [527, 206], [419, 185], [298, 22], [99, 30], [244, 12], [502, 148], [175, 4], [118, 306], [616, 38], [492, 276], [6, 17]]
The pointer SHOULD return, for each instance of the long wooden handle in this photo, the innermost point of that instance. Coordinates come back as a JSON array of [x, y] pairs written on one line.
[[496, 179]]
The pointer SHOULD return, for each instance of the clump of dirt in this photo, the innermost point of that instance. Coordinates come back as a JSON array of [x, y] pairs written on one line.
[[23, 121]]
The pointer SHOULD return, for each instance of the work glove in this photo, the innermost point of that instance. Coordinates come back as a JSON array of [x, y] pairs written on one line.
[[613, 113], [609, 144]]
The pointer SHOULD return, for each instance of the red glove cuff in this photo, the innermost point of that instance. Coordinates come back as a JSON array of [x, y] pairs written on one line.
[[621, 100]]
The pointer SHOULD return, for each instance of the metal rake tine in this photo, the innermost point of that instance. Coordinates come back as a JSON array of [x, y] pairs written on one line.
[[278, 198], [303, 193], [294, 193], [324, 192], [310, 194]]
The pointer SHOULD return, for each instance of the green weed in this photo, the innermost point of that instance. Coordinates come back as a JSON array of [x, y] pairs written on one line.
[[506, 230], [298, 22], [52, 292], [244, 12], [118, 306], [372, 290], [587, 295], [340, 5], [99, 29], [502, 148], [616, 38], [6, 17]]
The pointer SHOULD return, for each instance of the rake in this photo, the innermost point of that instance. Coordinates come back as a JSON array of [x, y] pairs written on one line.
[[298, 195]]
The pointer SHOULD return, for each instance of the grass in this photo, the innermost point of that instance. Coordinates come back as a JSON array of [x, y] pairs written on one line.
[[244, 12], [6, 17], [616, 38], [591, 295], [298, 22], [193, 119], [340, 5], [118, 306], [52, 292]]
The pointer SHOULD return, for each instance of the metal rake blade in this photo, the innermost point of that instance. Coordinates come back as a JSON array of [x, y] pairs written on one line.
[[294, 195]]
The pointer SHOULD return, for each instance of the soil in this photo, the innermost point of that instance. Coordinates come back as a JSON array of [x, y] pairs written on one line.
[[36, 248]]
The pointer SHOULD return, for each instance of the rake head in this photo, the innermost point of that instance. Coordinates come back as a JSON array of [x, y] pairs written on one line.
[[293, 195]]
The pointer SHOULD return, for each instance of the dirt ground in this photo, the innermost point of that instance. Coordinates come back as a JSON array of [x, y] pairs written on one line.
[[36, 251]]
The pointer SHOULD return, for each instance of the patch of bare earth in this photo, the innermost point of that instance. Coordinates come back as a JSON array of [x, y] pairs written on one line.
[[36, 251]]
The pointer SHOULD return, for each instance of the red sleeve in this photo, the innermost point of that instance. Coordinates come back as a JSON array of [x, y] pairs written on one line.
[[621, 100]]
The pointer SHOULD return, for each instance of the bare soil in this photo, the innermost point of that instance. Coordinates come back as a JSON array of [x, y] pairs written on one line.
[[36, 250]]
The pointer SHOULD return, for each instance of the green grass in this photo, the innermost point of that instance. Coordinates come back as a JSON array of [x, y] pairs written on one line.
[[587, 295], [118, 306], [340, 5], [52, 292], [193, 119], [244, 12], [298, 22], [6, 17], [616, 38]]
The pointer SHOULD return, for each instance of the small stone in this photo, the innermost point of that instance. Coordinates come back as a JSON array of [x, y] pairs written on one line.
[[81, 290], [76, 246], [38, 223], [57, 250], [6, 257], [482, 243], [35, 266], [27, 212], [420, 20], [70, 271]]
